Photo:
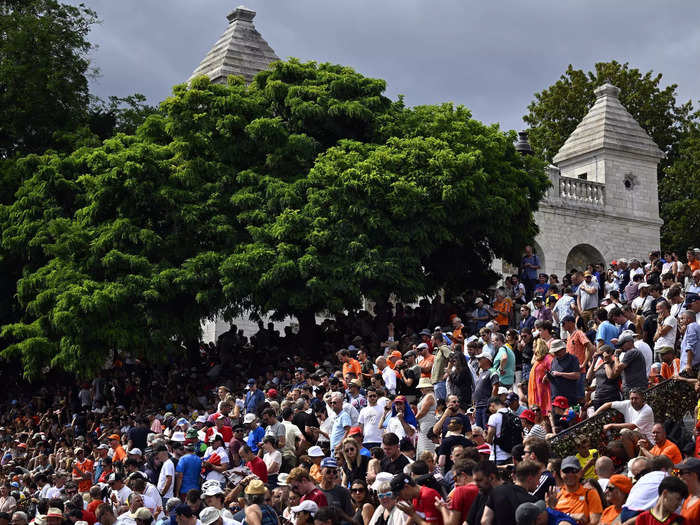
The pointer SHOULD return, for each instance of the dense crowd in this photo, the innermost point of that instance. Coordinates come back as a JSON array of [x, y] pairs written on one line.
[[387, 421]]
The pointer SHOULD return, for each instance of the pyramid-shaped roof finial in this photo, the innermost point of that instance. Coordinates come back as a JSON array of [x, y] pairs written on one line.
[[241, 50], [608, 125]]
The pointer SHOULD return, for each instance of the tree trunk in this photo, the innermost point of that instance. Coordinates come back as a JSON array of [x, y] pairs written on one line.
[[308, 336]]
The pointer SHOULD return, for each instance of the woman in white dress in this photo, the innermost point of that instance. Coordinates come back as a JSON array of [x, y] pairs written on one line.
[[425, 416]]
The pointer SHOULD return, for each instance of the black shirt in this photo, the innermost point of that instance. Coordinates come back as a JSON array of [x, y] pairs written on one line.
[[303, 420], [446, 446], [396, 466], [504, 500], [565, 387], [138, 436]]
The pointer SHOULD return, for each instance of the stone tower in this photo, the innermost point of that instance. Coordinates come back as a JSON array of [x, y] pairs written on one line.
[[603, 203], [241, 50]]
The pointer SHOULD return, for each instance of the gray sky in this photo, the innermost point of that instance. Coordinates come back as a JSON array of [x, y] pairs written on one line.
[[489, 55]]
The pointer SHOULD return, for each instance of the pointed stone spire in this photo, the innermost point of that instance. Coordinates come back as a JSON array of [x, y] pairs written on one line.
[[241, 50], [608, 125]]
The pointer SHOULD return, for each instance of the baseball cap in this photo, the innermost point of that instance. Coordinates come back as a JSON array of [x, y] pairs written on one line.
[[587, 274], [315, 452], [425, 331], [272, 392], [643, 285], [178, 436], [209, 515], [512, 397], [561, 402], [502, 390], [251, 381], [691, 298], [625, 337], [54, 512], [485, 355], [305, 506], [115, 436], [692, 464], [142, 513], [571, 462], [354, 431], [422, 346], [215, 436], [135, 452], [103, 447], [527, 513], [399, 481], [329, 463], [249, 418], [624, 483]]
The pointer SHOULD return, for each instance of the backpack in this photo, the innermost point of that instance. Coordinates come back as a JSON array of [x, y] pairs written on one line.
[[511, 432]]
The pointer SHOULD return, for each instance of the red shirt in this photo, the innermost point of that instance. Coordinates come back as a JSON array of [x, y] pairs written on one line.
[[462, 498], [258, 467], [647, 518], [318, 497], [89, 517], [425, 505], [225, 431]]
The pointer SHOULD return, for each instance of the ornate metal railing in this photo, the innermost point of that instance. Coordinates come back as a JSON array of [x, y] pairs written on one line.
[[670, 400], [582, 191]]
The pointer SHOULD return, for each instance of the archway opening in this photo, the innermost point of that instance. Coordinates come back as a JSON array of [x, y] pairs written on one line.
[[537, 250], [581, 256]]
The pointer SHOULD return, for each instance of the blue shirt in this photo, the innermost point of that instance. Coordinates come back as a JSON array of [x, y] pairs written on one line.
[[606, 333], [531, 273], [508, 376], [252, 400], [691, 341], [190, 466], [255, 437], [555, 517], [341, 421]]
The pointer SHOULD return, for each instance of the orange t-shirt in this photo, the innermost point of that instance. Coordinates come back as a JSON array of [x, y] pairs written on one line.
[[119, 454], [667, 371], [86, 466], [669, 449], [576, 345], [503, 307], [695, 265], [609, 515], [352, 366], [426, 365], [581, 501], [691, 512]]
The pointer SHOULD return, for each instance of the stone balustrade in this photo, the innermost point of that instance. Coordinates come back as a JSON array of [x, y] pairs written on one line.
[[581, 192]]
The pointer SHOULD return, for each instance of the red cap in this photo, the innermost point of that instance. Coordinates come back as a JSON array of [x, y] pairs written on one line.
[[22, 445], [613, 263], [395, 354], [561, 402], [354, 431], [528, 415], [272, 392], [484, 449]]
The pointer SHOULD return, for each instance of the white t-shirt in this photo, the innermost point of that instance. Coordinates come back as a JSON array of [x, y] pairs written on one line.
[[221, 451], [396, 427], [168, 469], [645, 349], [122, 494], [369, 419], [495, 421], [273, 457], [670, 338], [645, 492], [389, 377], [643, 418]]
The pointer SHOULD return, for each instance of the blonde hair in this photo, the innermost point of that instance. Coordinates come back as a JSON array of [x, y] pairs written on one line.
[[358, 456], [540, 351]]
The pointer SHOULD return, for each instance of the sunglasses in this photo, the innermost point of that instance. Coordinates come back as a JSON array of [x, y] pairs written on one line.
[[570, 471], [357, 489], [386, 495]]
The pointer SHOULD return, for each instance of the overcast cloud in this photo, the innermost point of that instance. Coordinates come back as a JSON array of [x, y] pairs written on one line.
[[489, 55]]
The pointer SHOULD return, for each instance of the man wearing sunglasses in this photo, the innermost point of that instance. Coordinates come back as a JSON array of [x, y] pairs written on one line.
[[574, 499], [337, 496]]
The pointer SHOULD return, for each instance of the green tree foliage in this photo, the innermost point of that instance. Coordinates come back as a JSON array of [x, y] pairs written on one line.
[[43, 73], [558, 109], [679, 196], [298, 193]]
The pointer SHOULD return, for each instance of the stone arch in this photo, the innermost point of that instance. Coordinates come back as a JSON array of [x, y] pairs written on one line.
[[582, 255]]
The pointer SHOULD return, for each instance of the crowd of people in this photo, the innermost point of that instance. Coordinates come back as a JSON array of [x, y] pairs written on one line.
[[388, 421]]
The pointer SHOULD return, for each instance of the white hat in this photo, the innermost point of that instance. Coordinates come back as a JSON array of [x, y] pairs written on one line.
[[211, 489], [315, 452], [643, 285], [248, 419], [282, 479], [382, 477], [305, 506], [502, 390], [422, 346], [178, 436], [485, 355], [135, 452], [215, 436], [209, 515], [201, 419]]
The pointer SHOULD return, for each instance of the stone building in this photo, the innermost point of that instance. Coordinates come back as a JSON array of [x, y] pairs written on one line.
[[603, 203]]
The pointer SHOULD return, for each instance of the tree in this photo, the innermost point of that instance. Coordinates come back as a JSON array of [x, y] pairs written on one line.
[[43, 73], [297, 193], [558, 109], [679, 196]]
